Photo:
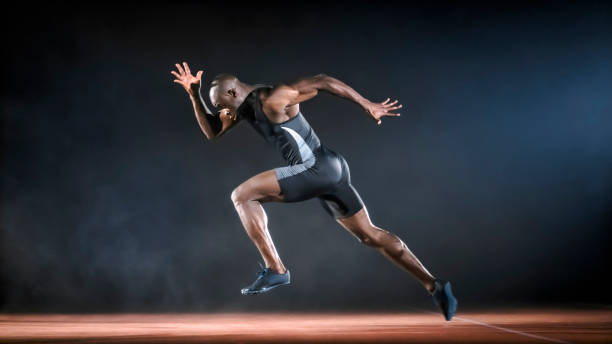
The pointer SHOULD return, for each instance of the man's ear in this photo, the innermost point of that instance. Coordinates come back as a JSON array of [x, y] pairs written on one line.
[[232, 92]]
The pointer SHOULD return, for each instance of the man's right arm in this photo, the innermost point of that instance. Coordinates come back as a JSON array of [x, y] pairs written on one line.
[[213, 126], [210, 124]]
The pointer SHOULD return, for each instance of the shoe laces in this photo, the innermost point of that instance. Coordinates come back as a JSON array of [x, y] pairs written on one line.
[[262, 270]]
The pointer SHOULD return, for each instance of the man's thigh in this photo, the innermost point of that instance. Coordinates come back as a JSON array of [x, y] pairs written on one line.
[[261, 187], [343, 202]]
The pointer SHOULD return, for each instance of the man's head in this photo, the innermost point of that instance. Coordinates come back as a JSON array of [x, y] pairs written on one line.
[[227, 92]]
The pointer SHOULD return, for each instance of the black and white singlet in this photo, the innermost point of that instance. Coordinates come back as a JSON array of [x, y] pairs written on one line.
[[313, 169]]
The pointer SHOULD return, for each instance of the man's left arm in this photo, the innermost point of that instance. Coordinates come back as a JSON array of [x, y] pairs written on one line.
[[306, 88]]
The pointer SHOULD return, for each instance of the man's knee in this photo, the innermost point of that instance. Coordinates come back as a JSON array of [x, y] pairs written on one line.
[[240, 195]]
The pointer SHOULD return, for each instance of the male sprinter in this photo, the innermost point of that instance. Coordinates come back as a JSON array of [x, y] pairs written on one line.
[[313, 169]]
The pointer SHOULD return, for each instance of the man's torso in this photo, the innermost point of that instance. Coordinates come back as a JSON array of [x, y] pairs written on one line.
[[294, 137]]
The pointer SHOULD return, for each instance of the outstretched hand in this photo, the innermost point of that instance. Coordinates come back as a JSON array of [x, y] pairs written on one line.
[[190, 83], [379, 110]]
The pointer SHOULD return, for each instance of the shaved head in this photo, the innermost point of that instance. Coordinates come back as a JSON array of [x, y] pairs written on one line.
[[224, 81], [222, 78], [220, 85], [227, 92]]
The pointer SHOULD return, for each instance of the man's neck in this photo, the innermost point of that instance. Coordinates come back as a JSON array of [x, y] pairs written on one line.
[[246, 88]]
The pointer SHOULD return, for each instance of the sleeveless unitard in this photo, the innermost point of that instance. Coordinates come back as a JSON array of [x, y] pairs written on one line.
[[313, 169]]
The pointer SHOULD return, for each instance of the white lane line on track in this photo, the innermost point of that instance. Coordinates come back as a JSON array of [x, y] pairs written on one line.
[[513, 331], [482, 323]]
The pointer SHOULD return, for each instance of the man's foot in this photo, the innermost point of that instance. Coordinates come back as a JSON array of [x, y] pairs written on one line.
[[266, 280], [443, 298]]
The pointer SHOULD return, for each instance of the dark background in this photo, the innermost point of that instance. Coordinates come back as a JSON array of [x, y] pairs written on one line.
[[498, 174]]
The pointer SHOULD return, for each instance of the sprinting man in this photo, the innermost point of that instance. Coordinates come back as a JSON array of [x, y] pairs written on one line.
[[313, 169]]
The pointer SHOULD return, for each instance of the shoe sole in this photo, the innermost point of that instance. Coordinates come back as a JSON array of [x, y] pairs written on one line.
[[261, 291]]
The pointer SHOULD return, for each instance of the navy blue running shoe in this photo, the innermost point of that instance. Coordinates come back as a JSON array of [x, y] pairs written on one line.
[[443, 297], [266, 280]]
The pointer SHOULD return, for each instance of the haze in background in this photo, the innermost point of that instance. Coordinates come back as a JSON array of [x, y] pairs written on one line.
[[498, 174]]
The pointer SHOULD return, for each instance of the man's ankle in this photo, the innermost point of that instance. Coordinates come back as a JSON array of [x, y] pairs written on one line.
[[279, 270], [431, 287]]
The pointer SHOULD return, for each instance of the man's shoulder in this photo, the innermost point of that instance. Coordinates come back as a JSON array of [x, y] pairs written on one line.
[[278, 91], [273, 101]]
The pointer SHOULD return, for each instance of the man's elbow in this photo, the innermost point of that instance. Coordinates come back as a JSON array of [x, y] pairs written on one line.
[[212, 139], [324, 81], [215, 137], [322, 77], [328, 83]]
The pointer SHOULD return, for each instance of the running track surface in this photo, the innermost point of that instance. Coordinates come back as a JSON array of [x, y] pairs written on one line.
[[510, 326]]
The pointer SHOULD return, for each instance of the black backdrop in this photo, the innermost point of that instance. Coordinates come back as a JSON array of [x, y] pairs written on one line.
[[498, 174]]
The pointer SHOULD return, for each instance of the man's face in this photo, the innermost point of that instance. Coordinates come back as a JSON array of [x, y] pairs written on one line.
[[224, 101]]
